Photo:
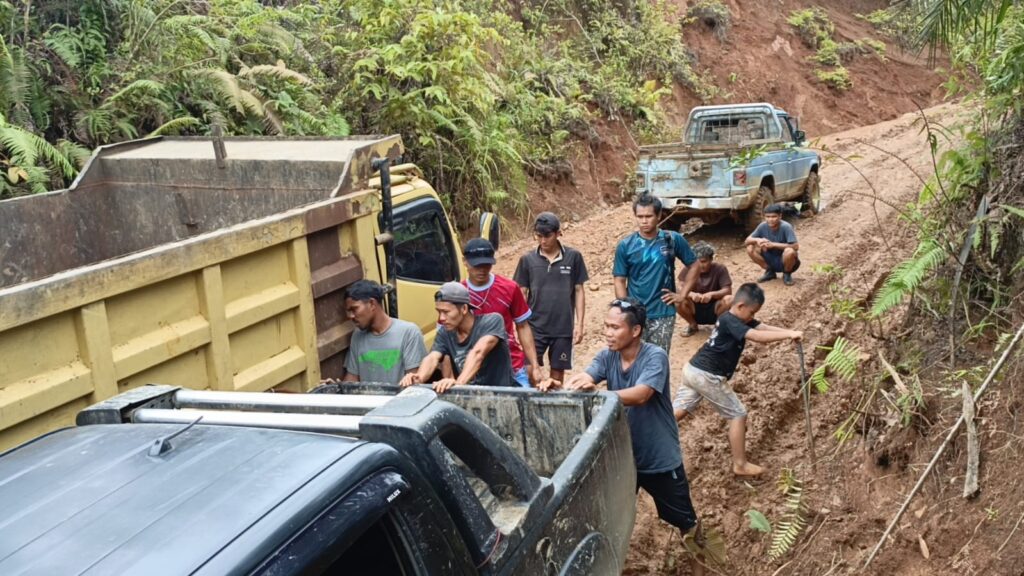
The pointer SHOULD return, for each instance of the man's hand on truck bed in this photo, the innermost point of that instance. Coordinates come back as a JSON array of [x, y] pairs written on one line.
[[548, 384], [444, 384]]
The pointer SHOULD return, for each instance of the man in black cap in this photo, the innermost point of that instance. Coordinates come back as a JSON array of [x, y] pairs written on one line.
[[551, 277], [476, 345], [494, 293]]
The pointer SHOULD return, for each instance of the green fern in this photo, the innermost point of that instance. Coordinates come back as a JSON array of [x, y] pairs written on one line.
[[793, 522], [176, 126], [908, 276], [842, 360]]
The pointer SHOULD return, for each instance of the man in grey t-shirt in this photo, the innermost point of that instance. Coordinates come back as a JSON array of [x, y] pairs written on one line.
[[477, 345], [383, 349], [638, 372], [773, 246]]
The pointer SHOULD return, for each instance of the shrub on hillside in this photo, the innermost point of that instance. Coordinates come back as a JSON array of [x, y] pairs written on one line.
[[713, 14]]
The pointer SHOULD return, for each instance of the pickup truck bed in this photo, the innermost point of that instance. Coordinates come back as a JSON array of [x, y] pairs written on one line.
[[483, 481]]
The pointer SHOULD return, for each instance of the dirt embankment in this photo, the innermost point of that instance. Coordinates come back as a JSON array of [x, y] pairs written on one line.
[[762, 59], [856, 488]]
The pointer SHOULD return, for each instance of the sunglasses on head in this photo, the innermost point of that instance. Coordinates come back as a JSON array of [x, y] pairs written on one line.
[[624, 304]]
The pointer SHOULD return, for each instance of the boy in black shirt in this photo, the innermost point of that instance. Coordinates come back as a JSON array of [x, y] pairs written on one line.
[[707, 374]]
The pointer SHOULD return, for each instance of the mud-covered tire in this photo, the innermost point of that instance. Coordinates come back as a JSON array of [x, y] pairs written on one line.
[[755, 214], [811, 199]]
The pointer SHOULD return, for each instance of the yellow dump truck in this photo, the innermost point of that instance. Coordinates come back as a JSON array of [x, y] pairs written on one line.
[[207, 263]]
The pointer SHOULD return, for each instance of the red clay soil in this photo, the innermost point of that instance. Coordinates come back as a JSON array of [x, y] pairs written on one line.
[[857, 487], [761, 60]]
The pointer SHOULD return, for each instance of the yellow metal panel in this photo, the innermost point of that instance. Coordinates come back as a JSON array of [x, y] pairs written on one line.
[[38, 347], [305, 321], [42, 392], [188, 369], [261, 341], [211, 303], [138, 313], [254, 272], [94, 342], [160, 345], [60, 417], [266, 303], [277, 368]]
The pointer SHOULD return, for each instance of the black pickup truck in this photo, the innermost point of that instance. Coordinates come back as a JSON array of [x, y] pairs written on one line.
[[361, 480]]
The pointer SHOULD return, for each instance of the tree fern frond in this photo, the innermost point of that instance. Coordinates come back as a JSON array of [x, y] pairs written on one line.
[[788, 529], [275, 71], [19, 146], [907, 276], [144, 87], [176, 126], [843, 359]]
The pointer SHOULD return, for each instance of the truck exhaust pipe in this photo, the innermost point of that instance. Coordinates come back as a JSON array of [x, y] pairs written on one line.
[[387, 234]]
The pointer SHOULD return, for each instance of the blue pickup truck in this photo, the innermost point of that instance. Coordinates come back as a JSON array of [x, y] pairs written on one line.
[[734, 160]]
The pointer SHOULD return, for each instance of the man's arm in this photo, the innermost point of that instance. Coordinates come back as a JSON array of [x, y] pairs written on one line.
[[525, 334], [474, 361], [621, 286], [581, 381], [764, 335], [581, 312], [423, 373], [635, 395]]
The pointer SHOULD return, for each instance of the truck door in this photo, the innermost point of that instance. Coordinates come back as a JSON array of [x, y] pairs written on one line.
[[788, 182], [426, 257], [382, 527]]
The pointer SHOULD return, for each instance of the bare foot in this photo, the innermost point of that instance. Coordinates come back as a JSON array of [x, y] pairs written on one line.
[[747, 469]]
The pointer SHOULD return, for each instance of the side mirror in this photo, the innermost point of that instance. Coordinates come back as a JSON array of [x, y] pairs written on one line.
[[490, 228], [799, 136]]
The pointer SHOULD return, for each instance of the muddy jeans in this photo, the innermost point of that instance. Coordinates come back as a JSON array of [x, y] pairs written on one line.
[[658, 331]]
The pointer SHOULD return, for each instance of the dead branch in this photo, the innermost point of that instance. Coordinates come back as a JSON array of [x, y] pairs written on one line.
[[945, 443], [1005, 542], [971, 479]]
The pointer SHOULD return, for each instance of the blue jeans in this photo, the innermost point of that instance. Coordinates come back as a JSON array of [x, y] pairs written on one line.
[[521, 377]]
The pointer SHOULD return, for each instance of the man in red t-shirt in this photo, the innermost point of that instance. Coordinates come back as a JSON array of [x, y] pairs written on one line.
[[711, 294], [493, 293]]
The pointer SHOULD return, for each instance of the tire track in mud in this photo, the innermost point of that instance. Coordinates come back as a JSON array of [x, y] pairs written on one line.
[[862, 238]]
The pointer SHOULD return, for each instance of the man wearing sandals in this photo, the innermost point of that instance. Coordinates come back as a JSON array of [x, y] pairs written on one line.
[[638, 372], [706, 376], [711, 295]]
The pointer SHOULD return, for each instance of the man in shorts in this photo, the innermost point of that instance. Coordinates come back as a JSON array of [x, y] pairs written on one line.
[[638, 372], [706, 376], [711, 295], [773, 246], [476, 345], [551, 277], [494, 293], [383, 349], [644, 269]]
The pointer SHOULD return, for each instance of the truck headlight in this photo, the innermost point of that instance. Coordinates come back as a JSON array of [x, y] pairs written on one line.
[[739, 178]]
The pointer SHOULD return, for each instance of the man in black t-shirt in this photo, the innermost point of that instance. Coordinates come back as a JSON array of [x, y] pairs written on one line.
[[551, 278], [706, 376], [477, 345]]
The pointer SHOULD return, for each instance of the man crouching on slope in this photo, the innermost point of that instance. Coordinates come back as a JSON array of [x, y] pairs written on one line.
[[638, 372], [707, 374]]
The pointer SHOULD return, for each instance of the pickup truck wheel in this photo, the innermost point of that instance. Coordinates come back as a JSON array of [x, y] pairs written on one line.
[[811, 199], [755, 214]]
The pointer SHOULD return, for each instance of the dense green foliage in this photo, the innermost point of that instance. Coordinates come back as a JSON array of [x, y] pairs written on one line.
[[483, 97], [816, 30], [970, 217]]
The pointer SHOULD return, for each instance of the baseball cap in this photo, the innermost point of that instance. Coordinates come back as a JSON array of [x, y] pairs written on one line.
[[453, 293], [478, 252], [547, 223]]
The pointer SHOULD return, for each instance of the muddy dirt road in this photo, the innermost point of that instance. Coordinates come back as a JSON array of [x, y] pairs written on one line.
[[864, 239]]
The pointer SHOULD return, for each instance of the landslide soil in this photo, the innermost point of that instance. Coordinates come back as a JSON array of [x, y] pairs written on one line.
[[856, 488], [761, 59]]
